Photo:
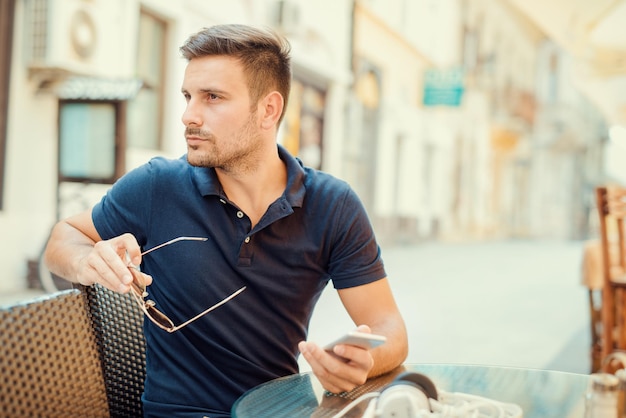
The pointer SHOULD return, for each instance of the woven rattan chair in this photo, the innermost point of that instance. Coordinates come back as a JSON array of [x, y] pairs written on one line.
[[75, 353], [117, 324], [50, 364]]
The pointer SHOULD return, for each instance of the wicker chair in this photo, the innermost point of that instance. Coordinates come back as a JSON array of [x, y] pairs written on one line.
[[118, 326], [74, 353]]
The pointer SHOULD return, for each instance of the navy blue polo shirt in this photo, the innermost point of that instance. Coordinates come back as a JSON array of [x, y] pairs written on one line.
[[316, 231]]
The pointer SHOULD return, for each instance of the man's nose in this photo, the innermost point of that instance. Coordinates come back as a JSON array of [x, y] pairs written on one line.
[[191, 115]]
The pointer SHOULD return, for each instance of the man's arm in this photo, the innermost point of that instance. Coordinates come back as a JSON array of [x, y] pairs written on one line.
[[373, 304], [374, 309], [76, 252]]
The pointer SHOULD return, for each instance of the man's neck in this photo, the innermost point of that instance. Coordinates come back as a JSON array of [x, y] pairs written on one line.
[[254, 190]]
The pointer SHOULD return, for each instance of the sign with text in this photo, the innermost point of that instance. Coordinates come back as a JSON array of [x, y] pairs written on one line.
[[443, 87]]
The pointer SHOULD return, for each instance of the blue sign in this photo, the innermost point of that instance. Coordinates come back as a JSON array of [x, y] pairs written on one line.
[[443, 87]]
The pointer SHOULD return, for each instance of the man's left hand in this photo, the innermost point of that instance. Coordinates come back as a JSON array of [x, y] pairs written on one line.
[[341, 370]]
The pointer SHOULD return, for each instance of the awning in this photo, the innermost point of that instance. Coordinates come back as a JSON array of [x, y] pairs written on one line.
[[95, 88]]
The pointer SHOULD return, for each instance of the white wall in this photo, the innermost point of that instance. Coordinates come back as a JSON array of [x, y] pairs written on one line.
[[30, 175]]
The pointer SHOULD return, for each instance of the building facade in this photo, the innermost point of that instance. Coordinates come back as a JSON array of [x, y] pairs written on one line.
[[452, 119], [91, 89]]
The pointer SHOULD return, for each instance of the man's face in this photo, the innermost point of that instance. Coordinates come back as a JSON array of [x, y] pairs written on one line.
[[221, 127]]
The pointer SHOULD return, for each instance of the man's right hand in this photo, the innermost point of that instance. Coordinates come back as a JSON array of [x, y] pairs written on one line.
[[76, 252], [108, 264]]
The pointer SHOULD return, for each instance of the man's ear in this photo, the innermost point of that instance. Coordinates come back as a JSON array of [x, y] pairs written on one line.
[[270, 109]]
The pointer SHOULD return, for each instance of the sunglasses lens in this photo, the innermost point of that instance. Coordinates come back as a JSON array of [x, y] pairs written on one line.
[[158, 317], [153, 313]]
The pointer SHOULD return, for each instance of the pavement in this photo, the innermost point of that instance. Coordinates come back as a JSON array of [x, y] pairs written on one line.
[[505, 303]]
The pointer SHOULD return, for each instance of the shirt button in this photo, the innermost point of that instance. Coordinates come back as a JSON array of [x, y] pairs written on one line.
[[239, 214], [247, 240]]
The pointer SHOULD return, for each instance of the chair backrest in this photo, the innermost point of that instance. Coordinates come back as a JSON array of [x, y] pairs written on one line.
[[118, 330], [50, 365], [611, 204]]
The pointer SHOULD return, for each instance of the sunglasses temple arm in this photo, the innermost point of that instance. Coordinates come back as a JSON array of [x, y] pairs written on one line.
[[173, 241], [201, 314]]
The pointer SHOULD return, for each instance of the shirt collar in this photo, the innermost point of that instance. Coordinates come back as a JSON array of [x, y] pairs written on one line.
[[208, 184]]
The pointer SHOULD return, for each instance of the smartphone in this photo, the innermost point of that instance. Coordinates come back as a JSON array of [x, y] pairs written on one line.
[[359, 339]]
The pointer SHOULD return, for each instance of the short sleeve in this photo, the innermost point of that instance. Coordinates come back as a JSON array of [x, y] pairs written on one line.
[[355, 256], [126, 206]]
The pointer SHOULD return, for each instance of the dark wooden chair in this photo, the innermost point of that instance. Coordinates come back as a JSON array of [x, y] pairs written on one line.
[[74, 353], [611, 206]]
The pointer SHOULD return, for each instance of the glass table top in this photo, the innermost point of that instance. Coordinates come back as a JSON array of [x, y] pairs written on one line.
[[540, 393]]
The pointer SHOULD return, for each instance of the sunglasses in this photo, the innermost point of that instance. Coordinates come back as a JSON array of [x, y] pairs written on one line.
[[138, 290]]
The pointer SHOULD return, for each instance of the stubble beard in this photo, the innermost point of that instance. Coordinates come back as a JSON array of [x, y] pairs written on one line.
[[203, 155], [241, 156]]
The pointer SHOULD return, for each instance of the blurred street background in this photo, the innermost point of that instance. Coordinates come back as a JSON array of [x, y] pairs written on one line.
[[474, 131], [511, 303]]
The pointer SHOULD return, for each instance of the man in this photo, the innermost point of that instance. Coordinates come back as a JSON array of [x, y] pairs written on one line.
[[274, 228]]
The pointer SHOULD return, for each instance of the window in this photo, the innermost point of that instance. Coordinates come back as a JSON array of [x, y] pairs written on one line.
[[304, 123], [7, 13], [145, 111], [90, 149]]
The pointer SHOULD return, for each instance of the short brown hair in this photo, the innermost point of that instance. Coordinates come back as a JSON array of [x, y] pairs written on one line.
[[263, 53]]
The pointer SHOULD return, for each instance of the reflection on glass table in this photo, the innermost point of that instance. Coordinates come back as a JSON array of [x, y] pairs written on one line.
[[540, 393]]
